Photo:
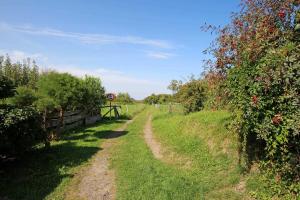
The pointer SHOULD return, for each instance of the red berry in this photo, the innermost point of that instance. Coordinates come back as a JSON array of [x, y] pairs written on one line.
[[277, 119], [281, 14], [254, 99], [239, 23]]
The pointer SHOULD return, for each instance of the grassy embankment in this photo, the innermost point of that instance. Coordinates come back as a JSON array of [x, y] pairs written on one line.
[[201, 137], [45, 174]]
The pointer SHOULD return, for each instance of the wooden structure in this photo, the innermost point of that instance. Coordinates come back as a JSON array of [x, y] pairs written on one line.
[[71, 119], [112, 109], [111, 97]]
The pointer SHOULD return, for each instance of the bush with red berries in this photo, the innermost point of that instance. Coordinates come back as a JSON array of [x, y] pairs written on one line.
[[258, 58]]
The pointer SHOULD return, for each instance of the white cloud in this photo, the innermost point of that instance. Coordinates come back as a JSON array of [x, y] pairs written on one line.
[[117, 81], [159, 55], [113, 80], [88, 38], [19, 56]]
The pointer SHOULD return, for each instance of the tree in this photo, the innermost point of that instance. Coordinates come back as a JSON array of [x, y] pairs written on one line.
[[124, 98], [21, 74], [6, 87], [92, 94], [175, 85], [160, 98], [152, 99], [24, 97], [192, 96], [19, 125], [63, 89], [33, 75]]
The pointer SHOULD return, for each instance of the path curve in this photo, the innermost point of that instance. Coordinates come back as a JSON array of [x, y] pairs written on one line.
[[161, 153], [98, 180]]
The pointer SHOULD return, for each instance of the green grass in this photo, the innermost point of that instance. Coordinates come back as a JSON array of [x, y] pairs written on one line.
[[127, 111], [140, 176], [201, 137], [42, 174]]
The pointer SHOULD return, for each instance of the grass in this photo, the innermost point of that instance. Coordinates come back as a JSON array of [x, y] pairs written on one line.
[[213, 174], [201, 137], [212, 148], [126, 111], [45, 174]]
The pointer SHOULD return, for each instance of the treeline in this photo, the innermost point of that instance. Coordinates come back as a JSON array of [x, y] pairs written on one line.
[[158, 99], [124, 98], [192, 94], [28, 96]]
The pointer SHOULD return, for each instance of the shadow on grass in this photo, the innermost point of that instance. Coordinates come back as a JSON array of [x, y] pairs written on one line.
[[109, 134], [105, 134], [37, 173]]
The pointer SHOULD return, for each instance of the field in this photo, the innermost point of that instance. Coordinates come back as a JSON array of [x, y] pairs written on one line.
[[198, 159]]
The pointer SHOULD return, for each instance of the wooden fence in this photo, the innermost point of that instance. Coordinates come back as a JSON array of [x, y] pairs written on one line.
[[70, 120]]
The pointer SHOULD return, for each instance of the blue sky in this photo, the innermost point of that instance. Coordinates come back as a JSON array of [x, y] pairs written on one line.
[[134, 46]]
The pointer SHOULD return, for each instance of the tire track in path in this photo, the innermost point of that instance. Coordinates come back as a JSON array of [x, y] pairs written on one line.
[[164, 154], [151, 142]]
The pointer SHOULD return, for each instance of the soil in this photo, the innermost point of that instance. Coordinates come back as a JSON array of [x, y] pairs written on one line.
[[97, 182], [151, 142]]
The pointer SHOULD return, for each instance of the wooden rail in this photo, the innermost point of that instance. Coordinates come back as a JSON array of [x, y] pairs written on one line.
[[71, 120]]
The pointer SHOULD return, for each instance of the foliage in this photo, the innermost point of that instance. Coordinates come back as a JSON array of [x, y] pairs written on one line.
[[257, 59], [36, 96], [192, 95], [21, 74], [216, 92], [19, 124], [158, 99], [62, 88], [19, 129], [6, 87], [124, 98], [175, 85], [91, 94], [24, 97], [46, 104]]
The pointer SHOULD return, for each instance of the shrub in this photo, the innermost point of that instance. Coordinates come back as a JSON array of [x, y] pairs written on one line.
[[91, 94], [20, 129], [24, 97], [257, 56], [158, 99], [191, 95], [124, 98], [6, 87]]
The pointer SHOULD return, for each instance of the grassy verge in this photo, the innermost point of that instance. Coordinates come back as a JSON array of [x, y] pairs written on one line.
[[141, 176], [42, 174], [212, 148]]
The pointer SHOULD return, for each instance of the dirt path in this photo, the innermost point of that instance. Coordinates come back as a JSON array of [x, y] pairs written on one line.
[[161, 153], [97, 182], [151, 142]]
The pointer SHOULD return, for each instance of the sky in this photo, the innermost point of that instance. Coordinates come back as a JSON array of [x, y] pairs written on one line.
[[134, 46]]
